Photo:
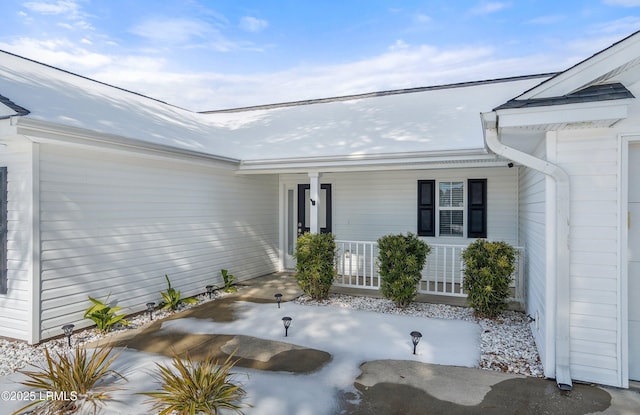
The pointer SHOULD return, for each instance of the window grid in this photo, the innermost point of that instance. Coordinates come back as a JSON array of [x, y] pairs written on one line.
[[451, 207]]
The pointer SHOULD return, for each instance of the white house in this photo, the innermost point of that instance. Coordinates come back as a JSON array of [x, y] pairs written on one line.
[[105, 191]]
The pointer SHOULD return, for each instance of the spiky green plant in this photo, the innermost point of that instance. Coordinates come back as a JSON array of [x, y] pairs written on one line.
[[228, 281], [69, 382], [197, 387], [172, 297], [104, 315]]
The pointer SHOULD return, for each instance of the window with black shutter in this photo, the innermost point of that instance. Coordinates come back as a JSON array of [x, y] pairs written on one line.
[[3, 230], [427, 207], [477, 208]]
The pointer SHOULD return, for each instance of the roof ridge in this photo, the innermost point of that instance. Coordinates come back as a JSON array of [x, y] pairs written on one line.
[[378, 94]]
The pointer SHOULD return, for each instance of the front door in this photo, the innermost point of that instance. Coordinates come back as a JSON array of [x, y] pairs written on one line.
[[634, 261], [297, 204], [304, 202]]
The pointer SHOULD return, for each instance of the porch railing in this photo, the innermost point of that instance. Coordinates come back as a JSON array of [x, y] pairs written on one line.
[[442, 275]]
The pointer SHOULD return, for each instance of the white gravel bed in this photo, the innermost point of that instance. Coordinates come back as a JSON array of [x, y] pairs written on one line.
[[16, 355], [507, 343]]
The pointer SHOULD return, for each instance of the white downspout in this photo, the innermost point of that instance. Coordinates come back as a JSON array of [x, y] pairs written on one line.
[[562, 255]]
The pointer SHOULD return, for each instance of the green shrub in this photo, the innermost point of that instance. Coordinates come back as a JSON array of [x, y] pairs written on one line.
[[228, 281], [401, 259], [172, 297], [67, 383], [194, 388], [487, 268], [315, 254], [103, 315]]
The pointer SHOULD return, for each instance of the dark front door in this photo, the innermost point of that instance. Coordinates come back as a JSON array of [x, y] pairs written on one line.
[[304, 204]]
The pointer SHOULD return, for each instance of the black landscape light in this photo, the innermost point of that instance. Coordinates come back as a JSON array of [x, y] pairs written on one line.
[[278, 298], [415, 339], [287, 322], [209, 290], [150, 307], [68, 331]]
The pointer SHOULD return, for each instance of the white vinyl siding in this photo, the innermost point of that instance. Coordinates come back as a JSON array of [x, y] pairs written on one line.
[[116, 223], [368, 205], [15, 305], [590, 158], [532, 233]]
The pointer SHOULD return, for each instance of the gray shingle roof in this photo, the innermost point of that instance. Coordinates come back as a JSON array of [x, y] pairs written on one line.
[[594, 93], [17, 108]]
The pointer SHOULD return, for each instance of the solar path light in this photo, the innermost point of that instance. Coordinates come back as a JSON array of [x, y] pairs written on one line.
[[278, 298], [150, 307], [287, 322], [68, 331], [415, 339], [209, 290]]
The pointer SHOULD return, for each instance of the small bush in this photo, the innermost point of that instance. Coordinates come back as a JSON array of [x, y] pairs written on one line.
[[315, 254], [401, 259], [228, 281], [70, 382], [103, 315], [487, 268], [172, 297], [193, 388]]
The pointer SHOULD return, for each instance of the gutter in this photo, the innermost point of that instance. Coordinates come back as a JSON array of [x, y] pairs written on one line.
[[560, 207]]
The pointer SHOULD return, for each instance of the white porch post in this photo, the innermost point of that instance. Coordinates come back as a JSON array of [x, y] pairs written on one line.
[[314, 203]]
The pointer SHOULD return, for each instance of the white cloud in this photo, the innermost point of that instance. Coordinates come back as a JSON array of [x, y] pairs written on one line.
[[252, 24], [491, 7], [548, 19], [621, 27], [623, 3], [58, 52], [422, 18], [168, 30], [65, 7], [399, 45]]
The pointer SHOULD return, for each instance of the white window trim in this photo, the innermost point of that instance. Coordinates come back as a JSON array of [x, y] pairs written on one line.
[[463, 208]]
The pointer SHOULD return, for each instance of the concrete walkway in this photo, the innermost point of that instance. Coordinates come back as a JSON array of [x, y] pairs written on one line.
[[384, 387]]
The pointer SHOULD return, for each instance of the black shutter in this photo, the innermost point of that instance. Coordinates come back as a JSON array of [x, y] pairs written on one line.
[[3, 230], [477, 208], [427, 207]]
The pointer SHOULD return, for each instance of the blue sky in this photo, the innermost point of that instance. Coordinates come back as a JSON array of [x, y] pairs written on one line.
[[205, 55]]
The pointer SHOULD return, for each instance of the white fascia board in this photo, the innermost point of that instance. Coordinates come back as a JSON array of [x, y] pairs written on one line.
[[559, 114], [584, 73], [470, 158], [42, 131]]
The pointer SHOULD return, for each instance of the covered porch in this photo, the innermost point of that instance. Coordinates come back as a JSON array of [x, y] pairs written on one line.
[[442, 276], [359, 207]]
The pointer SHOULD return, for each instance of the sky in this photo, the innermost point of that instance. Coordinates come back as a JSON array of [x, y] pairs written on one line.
[[206, 55]]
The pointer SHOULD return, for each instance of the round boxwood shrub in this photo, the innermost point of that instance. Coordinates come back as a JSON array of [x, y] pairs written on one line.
[[315, 253], [401, 259], [488, 267]]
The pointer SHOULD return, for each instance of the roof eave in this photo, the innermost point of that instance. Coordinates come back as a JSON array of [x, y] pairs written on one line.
[[360, 162], [46, 131], [576, 115]]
